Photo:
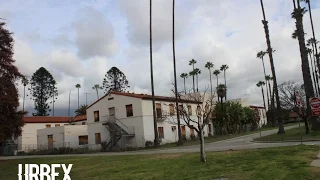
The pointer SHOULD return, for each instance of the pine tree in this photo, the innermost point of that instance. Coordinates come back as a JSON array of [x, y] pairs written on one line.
[[43, 87], [115, 80]]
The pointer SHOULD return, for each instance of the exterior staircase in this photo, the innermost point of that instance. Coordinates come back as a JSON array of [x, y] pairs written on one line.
[[117, 130]]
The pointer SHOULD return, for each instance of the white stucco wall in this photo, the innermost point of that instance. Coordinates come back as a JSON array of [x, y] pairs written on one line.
[[28, 138], [64, 136], [56, 132]]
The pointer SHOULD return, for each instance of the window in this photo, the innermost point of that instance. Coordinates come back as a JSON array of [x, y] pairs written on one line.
[[48, 125], [83, 123], [98, 138], [160, 132], [96, 116], [183, 130], [57, 125], [83, 140], [110, 98], [158, 110], [209, 128], [112, 111], [191, 130], [129, 110], [171, 109], [189, 110], [173, 128]]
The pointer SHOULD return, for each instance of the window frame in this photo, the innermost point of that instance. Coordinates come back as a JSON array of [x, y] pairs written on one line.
[[129, 112]]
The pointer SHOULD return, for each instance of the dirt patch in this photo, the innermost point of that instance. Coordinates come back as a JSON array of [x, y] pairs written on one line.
[[165, 156]]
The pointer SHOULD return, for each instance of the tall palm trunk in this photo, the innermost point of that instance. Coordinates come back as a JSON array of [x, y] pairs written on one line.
[[97, 93], [275, 85], [210, 81], [225, 84], [264, 101], [53, 105], [78, 98], [313, 74], [180, 142], [264, 71], [217, 84], [184, 84], [24, 97], [315, 71], [305, 63], [194, 88], [155, 125], [312, 27]]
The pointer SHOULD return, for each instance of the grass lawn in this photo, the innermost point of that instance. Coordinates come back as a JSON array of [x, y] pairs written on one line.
[[220, 138], [292, 134], [273, 163]]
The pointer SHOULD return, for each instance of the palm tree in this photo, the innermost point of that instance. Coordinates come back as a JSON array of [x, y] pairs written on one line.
[[314, 37], [97, 87], [180, 142], [191, 63], [24, 82], [314, 43], [221, 91], [224, 68], [217, 72], [261, 84], [268, 79], [297, 14], [209, 65], [155, 126], [78, 86], [260, 55], [184, 76], [82, 110], [196, 72], [312, 69], [270, 51]]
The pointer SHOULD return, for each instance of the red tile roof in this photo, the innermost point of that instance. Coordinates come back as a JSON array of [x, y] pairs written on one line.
[[52, 119], [258, 107], [145, 97]]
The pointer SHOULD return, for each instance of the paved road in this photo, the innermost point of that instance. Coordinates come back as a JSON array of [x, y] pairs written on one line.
[[242, 142]]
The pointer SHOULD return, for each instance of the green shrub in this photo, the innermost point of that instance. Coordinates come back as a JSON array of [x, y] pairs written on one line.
[[148, 144], [193, 137]]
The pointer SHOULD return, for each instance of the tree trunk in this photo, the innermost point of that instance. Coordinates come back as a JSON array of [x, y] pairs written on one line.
[[78, 98], [184, 83], [275, 85], [315, 70], [312, 27], [264, 71], [180, 142], [155, 125], [97, 93], [272, 105], [306, 125], [225, 84], [305, 63], [217, 85], [53, 105], [313, 74], [264, 101], [194, 88], [210, 81], [202, 152]]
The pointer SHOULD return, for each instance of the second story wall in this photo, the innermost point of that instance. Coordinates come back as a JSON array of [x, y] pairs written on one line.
[[121, 106]]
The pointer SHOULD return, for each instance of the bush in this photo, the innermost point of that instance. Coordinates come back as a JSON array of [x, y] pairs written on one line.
[[148, 144], [104, 145], [193, 137], [210, 135]]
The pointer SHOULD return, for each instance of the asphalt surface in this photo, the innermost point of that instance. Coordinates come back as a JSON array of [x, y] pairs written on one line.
[[238, 143]]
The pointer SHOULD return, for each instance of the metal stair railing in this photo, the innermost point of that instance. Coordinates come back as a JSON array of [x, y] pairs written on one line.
[[118, 125]]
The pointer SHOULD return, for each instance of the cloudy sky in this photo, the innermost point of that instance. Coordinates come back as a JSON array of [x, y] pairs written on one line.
[[79, 40]]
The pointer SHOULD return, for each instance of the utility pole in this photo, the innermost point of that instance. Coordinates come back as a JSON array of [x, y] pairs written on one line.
[[86, 98]]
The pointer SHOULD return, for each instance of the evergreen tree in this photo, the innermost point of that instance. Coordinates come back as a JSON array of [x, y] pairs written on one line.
[[10, 119], [115, 80], [43, 87]]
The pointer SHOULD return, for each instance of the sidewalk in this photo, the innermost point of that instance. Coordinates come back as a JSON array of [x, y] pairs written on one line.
[[316, 162]]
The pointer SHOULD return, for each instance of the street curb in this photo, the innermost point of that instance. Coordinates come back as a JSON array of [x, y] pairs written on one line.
[[317, 140]]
